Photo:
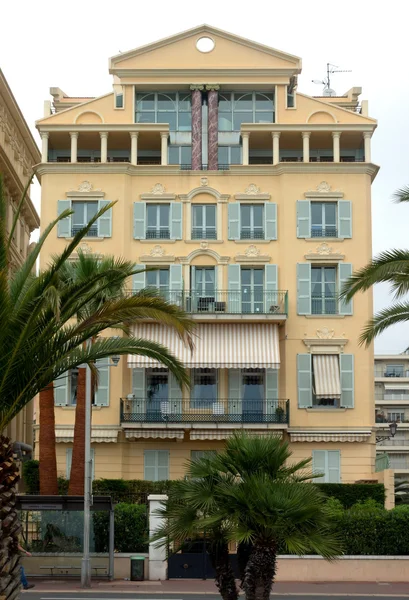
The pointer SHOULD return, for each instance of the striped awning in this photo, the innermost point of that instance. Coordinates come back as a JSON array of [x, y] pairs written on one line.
[[220, 434], [178, 434], [98, 435], [326, 376], [231, 345]]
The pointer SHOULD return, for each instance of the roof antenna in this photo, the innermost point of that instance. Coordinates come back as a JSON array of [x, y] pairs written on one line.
[[327, 91]]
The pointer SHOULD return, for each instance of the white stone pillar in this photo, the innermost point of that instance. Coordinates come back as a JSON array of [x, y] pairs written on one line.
[[306, 146], [336, 146], [158, 565], [104, 146], [367, 145], [164, 147], [74, 146], [44, 146], [245, 136], [276, 147], [134, 147]]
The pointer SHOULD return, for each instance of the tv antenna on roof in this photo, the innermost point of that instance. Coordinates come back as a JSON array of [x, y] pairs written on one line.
[[327, 91]]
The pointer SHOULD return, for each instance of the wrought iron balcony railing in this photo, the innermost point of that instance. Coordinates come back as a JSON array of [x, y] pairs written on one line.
[[324, 231], [324, 305], [146, 410], [391, 372], [204, 233]]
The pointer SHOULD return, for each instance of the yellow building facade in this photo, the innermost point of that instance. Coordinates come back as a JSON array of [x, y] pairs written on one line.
[[253, 201]]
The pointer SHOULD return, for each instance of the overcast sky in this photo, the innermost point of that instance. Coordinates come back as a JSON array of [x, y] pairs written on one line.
[[44, 44]]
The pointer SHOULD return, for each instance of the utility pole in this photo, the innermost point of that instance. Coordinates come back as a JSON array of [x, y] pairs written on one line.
[[86, 562]]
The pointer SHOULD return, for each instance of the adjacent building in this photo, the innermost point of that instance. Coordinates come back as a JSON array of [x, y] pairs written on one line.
[[253, 202]]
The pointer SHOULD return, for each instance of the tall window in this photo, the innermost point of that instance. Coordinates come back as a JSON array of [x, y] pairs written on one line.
[[158, 279], [157, 385], [394, 371], [236, 108], [170, 107], [252, 221], [204, 388], [83, 212], [204, 222], [323, 290], [203, 287], [156, 465], [157, 217], [323, 219], [180, 155], [229, 155], [252, 290]]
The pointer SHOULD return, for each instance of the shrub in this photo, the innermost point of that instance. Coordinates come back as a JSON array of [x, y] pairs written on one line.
[[367, 506], [334, 506], [351, 493], [31, 476], [131, 528]]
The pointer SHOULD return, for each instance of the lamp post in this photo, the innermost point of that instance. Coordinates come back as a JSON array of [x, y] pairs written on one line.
[[85, 561], [392, 429]]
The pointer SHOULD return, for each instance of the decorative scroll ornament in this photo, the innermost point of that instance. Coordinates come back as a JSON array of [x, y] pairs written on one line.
[[323, 187], [158, 189], [85, 186], [324, 249], [252, 190], [204, 245], [197, 87], [252, 251], [325, 334], [204, 181], [157, 251]]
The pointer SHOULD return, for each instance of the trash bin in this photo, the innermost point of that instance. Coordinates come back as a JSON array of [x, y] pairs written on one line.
[[137, 568]]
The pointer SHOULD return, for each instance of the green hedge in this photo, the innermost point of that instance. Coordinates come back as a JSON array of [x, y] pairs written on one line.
[[351, 493], [31, 476], [131, 528]]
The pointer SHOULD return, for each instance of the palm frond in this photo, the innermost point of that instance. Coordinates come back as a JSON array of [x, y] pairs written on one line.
[[402, 194], [397, 313]]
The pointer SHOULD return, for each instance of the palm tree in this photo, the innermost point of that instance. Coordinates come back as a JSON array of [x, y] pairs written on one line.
[[391, 266], [40, 340]]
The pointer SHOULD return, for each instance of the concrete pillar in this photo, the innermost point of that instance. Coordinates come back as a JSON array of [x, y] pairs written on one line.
[[306, 146], [158, 565], [367, 146], [104, 146], [134, 147], [245, 137], [276, 147], [164, 147], [44, 146], [213, 127], [336, 146], [74, 145], [196, 127]]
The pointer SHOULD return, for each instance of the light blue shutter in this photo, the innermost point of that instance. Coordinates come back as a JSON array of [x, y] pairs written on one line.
[[139, 279], [138, 404], [303, 218], [102, 393], [176, 284], [68, 461], [304, 379], [104, 222], [234, 399], [346, 368], [63, 226], [175, 396], [334, 466], [176, 221], [344, 273], [150, 465], [271, 286], [234, 221], [234, 289], [344, 219], [271, 391], [270, 220], [61, 390], [163, 465], [319, 465], [139, 220], [303, 289]]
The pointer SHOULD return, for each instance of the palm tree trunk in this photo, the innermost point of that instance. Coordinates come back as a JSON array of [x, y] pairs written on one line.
[[225, 581], [260, 571], [48, 461], [76, 487], [243, 555], [9, 523]]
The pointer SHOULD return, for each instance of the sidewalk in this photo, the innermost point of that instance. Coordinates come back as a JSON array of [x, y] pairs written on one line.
[[198, 586]]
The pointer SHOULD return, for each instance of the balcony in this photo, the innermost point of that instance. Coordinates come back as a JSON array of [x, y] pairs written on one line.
[[391, 372], [324, 305], [222, 411]]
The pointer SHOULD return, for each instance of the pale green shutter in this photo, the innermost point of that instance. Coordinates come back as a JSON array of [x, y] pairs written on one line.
[[346, 368], [150, 465], [303, 289], [68, 461], [344, 219], [163, 465], [270, 220], [176, 284], [319, 465], [139, 279], [234, 399], [138, 405], [344, 273], [102, 393], [303, 218], [104, 222], [175, 396], [271, 391], [176, 221], [234, 289], [234, 221], [334, 466], [64, 226], [61, 389], [271, 297], [304, 379], [139, 220]]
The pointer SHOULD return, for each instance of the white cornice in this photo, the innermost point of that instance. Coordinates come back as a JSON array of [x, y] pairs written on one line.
[[307, 127], [217, 73], [103, 127]]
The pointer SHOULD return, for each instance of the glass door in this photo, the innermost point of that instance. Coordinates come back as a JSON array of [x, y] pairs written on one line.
[[253, 392], [157, 392], [252, 290], [204, 288]]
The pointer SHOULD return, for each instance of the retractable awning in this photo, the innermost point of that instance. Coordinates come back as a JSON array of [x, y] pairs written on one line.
[[98, 435], [326, 376], [229, 346]]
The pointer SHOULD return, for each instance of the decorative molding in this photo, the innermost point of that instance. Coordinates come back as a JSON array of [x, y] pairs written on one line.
[[158, 189], [157, 254], [197, 87], [157, 251], [325, 333], [325, 342], [85, 190], [324, 252], [158, 196], [204, 181], [221, 260], [86, 186], [85, 248], [252, 254], [324, 189], [204, 190], [252, 192], [212, 87], [330, 436]]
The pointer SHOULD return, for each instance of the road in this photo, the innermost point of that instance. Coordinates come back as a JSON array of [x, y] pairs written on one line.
[[33, 595]]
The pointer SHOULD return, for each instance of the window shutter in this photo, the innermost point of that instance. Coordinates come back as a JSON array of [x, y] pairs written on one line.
[[319, 465], [304, 378], [334, 466], [346, 367], [303, 218], [234, 399], [163, 465], [344, 219], [68, 461], [150, 467], [175, 395], [139, 218], [138, 405], [303, 289], [139, 279], [344, 273], [102, 393], [176, 221], [63, 226], [176, 284], [156, 465], [234, 221], [271, 391], [270, 220], [271, 286], [61, 390], [233, 289], [104, 222]]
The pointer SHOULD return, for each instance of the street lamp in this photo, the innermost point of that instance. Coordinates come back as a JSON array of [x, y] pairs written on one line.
[[392, 429], [86, 562]]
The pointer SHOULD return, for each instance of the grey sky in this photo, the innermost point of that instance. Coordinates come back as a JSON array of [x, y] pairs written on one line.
[[45, 44]]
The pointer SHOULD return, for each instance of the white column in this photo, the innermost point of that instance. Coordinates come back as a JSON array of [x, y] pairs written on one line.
[[158, 565], [164, 147], [276, 147], [44, 146], [306, 146], [134, 147], [367, 146], [104, 146], [74, 145], [336, 146], [245, 136]]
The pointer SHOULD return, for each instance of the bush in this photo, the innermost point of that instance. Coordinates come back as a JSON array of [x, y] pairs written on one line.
[[367, 506], [131, 528], [31, 476], [351, 493]]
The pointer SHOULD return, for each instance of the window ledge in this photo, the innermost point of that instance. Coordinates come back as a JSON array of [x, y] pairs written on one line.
[[325, 316], [324, 239], [74, 406], [323, 409], [206, 241], [158, 241], [253, 241], [89, 239]]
